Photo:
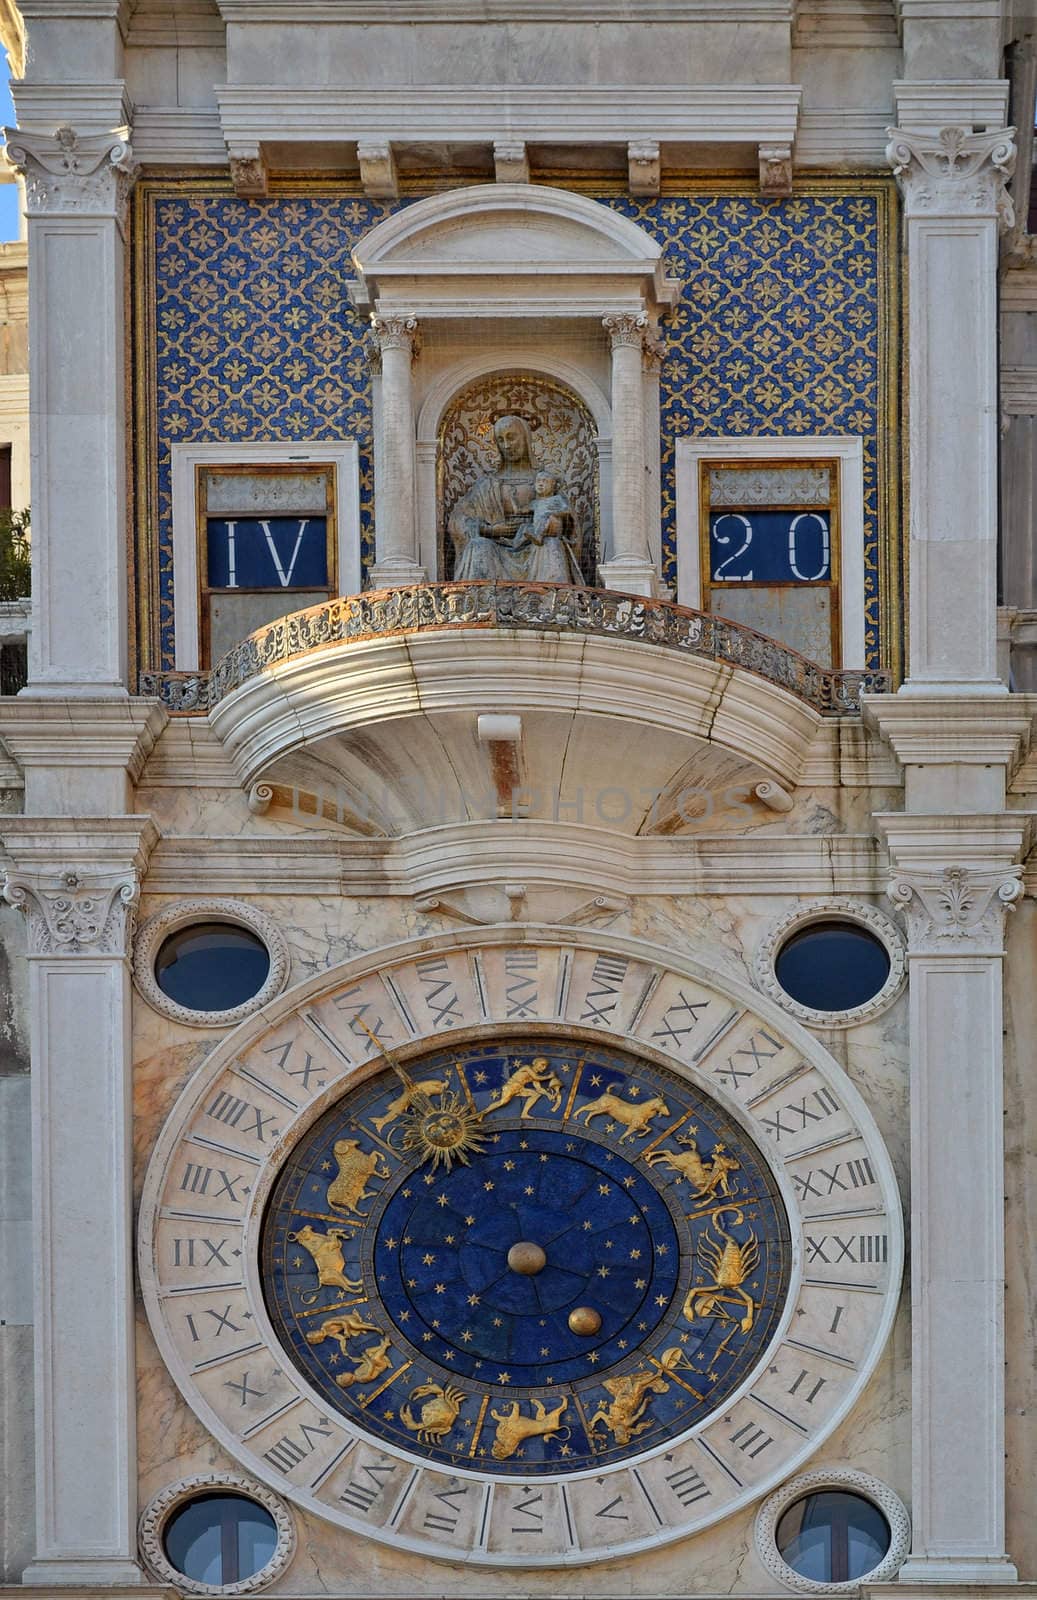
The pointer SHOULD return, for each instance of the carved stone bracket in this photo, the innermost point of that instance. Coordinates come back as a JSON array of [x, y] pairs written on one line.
[[775, 170], [378, 169], [644, 170], [510, 161], [954, 172], [395, 332], [249, 176], [956, 910], [68, 173]]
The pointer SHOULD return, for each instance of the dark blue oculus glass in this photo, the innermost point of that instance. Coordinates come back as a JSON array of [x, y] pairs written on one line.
[[833, 1537], [212, 966], [832, 966], [404, 1309], [220, 1539]]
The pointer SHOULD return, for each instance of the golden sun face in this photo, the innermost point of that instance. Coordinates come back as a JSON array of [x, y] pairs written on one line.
[[444, 1129]]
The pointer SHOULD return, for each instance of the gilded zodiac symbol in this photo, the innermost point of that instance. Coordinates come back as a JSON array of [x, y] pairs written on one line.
[[513, 1428], [631, 1396], [730, 1263], [635, 1118], [529, 1084], [709, 1177], [438, 1413], [326, 1250], [370, 1363], [404, 1101], [355, 1167]]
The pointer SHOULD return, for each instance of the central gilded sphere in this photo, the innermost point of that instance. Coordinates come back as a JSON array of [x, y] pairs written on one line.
[[526, 1258]]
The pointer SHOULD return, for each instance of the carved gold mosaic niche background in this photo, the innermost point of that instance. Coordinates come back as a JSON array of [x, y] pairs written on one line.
[[564, 436]]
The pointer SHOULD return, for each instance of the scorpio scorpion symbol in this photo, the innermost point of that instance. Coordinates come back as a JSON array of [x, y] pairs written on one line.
[[730, 1263]]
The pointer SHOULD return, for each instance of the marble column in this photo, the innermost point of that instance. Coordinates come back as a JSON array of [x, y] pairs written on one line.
[[953, 183], [629, 566], [77, 882], [955, 879], [396, 523], [77, 188]]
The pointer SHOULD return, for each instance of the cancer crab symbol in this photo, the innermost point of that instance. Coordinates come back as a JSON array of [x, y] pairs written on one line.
[[438, 1414]]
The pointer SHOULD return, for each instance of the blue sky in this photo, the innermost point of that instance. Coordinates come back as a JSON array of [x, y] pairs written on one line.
[[8, 191]]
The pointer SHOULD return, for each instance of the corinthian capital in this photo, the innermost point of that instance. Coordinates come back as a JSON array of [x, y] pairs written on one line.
[[954, 173], [626, 328], [75, 913], [957, 910], [67, 172], [395, 332], [77, 880]]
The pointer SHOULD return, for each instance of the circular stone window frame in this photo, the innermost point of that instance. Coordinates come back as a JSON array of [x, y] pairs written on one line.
[[851, 1482], [155, 1516], [153, 933], [831, 910]]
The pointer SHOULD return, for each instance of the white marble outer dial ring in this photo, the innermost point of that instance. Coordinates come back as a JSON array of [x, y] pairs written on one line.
[[214, 1164]]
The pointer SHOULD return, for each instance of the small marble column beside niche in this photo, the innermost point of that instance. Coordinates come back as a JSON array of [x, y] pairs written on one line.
[[629, 565], [396, 527]]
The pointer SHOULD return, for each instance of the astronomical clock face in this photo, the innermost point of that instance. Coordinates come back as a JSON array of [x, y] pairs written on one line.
[[527, 1255], [578, 1257]]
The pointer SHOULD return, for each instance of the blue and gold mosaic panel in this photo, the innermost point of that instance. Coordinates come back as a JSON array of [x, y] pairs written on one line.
[[787, 325], [535, 1256]]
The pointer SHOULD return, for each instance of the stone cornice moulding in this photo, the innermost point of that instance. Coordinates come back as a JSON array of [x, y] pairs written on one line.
[[540, 855], [87, 733], [603, 113], [949, 10], [927, 843], [90, 108], [926, 106], [77, 880], [178, 135], [279, 12], [954, 173], [942, 730]]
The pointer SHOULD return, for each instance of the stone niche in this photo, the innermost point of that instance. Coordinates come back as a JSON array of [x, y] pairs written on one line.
[[564, 438], [515, 299]]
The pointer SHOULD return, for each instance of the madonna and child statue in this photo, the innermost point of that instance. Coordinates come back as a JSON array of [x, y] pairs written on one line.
[[516, 523]]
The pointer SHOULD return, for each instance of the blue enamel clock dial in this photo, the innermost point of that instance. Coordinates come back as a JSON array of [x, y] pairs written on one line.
[[526, 1256]]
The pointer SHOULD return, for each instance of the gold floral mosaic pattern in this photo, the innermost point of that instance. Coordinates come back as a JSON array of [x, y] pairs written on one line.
[[781, 329], [784, 327]]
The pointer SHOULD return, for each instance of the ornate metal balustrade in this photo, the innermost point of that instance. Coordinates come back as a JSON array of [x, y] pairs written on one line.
[[526, 607]]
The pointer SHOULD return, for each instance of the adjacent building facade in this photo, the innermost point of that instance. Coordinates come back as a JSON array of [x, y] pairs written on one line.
[[518, 918]]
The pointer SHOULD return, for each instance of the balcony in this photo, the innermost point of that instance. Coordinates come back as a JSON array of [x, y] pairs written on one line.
[[447, 704]]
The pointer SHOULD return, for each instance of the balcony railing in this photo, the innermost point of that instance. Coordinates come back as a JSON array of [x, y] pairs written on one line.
[[525, 608]]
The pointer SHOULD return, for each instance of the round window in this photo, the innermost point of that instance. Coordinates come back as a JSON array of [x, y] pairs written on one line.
[[212, 966], [833, 1537], [220, 1539], [832, 965]]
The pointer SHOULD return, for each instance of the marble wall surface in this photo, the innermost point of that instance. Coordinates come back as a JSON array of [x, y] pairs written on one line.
[[325, 930]]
